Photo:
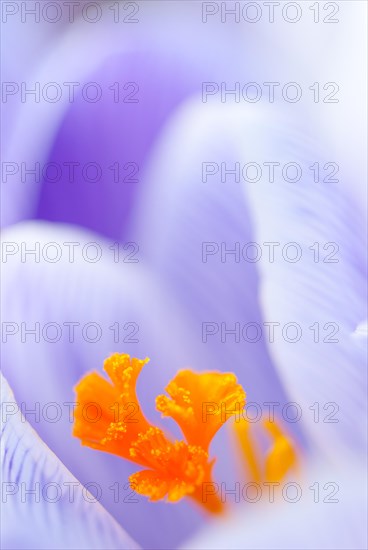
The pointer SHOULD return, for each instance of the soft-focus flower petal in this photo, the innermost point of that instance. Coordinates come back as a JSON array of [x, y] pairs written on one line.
[[329, 511], [115, 132], [43, 504], [219, 294], [74, 130], [182, 240], [324, 292], [121, 149], [322, 298], [99, 298]]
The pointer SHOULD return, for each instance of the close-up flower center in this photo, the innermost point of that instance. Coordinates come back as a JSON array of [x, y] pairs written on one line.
[[200, 403]]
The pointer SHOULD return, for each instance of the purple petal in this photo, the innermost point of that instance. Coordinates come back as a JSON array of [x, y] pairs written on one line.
[[43, 504], [105, 294], [115, 137]]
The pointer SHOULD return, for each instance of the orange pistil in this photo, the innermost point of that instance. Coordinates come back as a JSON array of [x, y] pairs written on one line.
[[108, 418], [200, 419]]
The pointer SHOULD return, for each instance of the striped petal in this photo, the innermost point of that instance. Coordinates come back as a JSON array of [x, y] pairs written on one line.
[[43, 504], [323, 293]]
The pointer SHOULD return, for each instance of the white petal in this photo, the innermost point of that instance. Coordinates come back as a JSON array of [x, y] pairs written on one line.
[[330, 513], [43, 505], [361, 330]]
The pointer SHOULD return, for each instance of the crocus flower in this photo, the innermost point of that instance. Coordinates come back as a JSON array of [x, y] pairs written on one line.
[[172, 469], [169, 295], [348, 354]]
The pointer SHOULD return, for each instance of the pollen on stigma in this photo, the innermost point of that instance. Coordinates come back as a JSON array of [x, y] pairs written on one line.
[[171, 469]]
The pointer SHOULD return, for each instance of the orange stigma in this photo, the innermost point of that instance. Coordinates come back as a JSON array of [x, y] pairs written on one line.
[[108, 417]]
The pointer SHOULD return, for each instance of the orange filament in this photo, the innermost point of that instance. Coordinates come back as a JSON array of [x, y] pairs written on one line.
[[200, 403], [280, 459], [282, 456], [249, 450]]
